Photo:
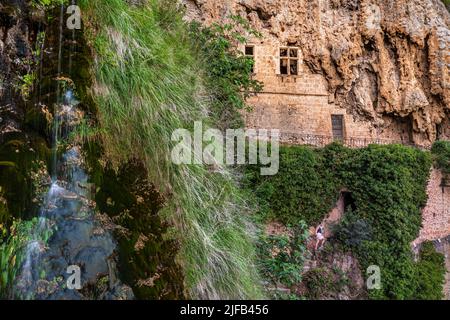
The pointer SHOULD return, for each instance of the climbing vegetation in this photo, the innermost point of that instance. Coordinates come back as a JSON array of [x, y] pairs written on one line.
[[388, 185], [430, 273], [227, 69], [303, 189], [441, 155]]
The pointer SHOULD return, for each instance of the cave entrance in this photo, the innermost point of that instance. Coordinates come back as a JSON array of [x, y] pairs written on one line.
[[349, 201], [439, 131]]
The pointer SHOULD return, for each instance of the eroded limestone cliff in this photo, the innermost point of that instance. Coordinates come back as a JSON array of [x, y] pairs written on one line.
[[385, 61]]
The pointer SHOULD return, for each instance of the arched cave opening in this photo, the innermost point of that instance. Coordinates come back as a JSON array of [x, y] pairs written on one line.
[[349, 201]]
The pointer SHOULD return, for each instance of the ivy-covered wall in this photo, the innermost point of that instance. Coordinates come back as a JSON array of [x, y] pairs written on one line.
[[388, 186]]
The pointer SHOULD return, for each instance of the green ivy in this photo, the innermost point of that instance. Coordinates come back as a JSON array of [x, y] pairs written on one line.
[[303, 189], [228, 70], [441, 155], [388, 185], [430, 273]]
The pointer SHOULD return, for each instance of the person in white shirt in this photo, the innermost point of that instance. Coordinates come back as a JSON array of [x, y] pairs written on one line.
[[320, 238]]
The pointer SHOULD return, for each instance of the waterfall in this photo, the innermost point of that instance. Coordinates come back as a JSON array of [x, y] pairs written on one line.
[[67, 216], [35, 246]]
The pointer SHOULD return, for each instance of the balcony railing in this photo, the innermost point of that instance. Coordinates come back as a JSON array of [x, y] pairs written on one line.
[[351, 142]]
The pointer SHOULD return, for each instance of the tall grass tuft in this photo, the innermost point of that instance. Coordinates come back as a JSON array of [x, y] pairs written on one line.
[[149, 81]]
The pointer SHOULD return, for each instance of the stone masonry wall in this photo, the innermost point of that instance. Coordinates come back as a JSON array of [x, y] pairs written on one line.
[[436, 222], [436, 214]]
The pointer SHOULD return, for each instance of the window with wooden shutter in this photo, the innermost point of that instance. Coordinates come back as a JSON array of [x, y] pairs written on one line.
[[337, 124]]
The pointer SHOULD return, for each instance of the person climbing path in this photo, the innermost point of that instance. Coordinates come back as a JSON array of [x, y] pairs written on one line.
[[320, 238]]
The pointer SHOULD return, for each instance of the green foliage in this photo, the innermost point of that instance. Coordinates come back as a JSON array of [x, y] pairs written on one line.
[[48, 4], [149, 84], [352, 230], [388, 186], [27, 85], [441, 155], [12, 252], [282, 255], [303, 189], [430, 273], [228, 70]]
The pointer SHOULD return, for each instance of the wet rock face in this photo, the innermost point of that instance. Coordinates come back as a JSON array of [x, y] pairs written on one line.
[[81, 241], [333, 275], [20, 147], [147, 254], [16, 34], [382, 59], [70, 231], [79, 238]]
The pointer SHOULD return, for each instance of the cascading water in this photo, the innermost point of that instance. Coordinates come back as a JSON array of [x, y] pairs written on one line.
[[68, 233]]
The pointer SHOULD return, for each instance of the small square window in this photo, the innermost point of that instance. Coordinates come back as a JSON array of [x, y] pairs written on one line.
[[283, 52], [250, 54]]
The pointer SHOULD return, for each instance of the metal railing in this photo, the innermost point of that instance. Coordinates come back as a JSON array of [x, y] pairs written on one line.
[[351, 142]]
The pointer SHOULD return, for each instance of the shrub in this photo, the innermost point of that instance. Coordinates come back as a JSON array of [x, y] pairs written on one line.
[[282, 256], [388, 185], [352, 230], [441, 155], [319, 282], [430, 273]]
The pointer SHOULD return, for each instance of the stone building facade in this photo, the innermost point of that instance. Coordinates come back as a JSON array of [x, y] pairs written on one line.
[[296, 101], [380, 65]]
